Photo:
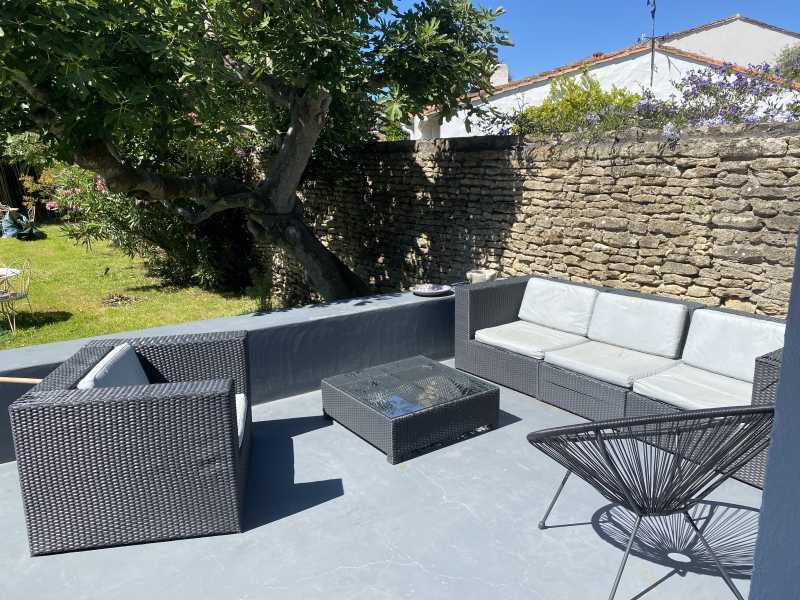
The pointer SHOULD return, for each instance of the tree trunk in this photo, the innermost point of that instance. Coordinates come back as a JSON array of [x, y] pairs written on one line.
[[328, 275]]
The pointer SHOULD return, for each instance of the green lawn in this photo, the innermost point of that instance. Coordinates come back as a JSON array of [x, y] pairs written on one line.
[[69, 287]]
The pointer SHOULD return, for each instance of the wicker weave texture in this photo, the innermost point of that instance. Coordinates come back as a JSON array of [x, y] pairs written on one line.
[[585, 396], [402, 437], [765, 392], [112, 466]]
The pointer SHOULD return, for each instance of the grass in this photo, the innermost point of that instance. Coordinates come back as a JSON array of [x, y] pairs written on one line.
[[69, 287]]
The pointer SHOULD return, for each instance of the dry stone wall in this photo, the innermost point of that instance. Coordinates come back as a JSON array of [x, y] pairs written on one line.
[[712, 217]]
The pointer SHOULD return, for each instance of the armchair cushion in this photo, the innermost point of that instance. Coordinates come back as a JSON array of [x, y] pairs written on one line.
[[527, 338], [119, 367], [620, 366], [241, 416], [690, 388], [558, 305], [729, 344], [641, 324]]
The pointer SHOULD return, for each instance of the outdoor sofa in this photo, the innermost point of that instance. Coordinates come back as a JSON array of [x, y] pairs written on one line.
[[604, 353], [136, 440]]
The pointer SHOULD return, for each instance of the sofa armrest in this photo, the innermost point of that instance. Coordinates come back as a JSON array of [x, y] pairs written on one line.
[[766, 376], [482, 305], [488, 304], [71, 371], [110, 466], [192, 357]]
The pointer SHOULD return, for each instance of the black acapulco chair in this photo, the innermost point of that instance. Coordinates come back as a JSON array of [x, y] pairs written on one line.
[[659, 465]]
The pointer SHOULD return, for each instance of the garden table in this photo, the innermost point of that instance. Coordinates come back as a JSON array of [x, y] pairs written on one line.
[[410, 405]]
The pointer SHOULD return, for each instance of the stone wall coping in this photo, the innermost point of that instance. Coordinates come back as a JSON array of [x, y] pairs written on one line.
[[505, 142]]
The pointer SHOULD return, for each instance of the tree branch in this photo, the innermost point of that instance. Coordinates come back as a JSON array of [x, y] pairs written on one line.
[[193, 218], [147, 185], [307, 119], [274, 88]]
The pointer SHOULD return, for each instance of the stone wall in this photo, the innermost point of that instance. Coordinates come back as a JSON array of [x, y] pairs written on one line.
[[712, 217]]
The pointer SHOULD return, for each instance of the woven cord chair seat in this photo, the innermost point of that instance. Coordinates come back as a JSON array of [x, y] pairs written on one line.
[[661, 464]]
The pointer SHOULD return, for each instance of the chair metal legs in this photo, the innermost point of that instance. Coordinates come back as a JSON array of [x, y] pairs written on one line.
[[543, 522], [625, 557], [722, 570]]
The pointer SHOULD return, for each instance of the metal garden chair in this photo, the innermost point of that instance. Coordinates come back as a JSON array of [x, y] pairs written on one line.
[[14, 288], [659, 465]]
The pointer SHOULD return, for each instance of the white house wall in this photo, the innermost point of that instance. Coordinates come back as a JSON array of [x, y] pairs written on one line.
[[737, 42], [632, 73]]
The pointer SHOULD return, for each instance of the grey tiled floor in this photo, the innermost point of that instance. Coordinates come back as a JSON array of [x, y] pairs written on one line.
[[329, 518]]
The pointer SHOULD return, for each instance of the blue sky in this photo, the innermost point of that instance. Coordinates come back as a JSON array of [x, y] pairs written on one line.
[[552, 33]]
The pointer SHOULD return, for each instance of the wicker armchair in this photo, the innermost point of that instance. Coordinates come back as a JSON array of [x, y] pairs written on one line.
[[659, 465], [122, 465]]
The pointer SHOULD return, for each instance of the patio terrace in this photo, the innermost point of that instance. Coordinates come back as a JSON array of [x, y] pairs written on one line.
[[328, 517]]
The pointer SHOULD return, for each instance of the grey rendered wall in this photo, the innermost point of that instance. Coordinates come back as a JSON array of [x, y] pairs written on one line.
[[290, 351], [776, 574]]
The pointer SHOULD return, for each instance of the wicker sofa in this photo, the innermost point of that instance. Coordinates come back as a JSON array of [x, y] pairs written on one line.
[[122, 465], [605, 353]]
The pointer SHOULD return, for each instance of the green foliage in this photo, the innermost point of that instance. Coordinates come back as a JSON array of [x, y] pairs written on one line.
[[789, 63], [26, 150], [153, 79], [393, 131], [577, 104], [212, 255], [149, 76]]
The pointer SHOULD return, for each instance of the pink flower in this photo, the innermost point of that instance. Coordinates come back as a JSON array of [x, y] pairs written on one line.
[[100, 184], [51, 205], [66, 193]]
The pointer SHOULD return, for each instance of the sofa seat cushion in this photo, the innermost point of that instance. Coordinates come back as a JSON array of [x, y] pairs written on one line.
[[558, 305], [643, 324], [241, 416], [620, 366], [120, 367], [527, 338], [728, 344], [690, 388]]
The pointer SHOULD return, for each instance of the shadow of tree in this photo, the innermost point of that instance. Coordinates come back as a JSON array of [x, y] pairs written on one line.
[[409, 218], [272, 493]]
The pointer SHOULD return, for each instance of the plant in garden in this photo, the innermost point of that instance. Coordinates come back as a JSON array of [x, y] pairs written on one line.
[[577, 104], [788, 63], [139, 91]]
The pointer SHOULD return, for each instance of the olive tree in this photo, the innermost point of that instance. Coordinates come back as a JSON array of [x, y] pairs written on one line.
[[126, 88]]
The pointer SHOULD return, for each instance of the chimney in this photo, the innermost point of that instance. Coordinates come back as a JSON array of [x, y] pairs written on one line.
[[500, 75]]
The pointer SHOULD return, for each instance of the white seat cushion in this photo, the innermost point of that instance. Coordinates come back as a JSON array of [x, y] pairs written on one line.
[[120, 367], [527, 338], [642, 324], [241, 415], [690, 388], [729, 344], [620, 366], [558, 305]]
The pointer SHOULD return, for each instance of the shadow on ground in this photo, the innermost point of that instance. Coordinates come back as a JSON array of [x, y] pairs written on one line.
[[272, 493], [26, 319], [730, 529]]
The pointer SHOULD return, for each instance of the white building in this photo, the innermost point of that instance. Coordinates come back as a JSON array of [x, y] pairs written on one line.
[[737, 40]]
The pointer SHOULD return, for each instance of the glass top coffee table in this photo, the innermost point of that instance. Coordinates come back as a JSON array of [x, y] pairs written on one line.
[[408, 405]]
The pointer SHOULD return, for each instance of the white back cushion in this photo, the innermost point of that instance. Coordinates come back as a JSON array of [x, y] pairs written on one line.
[[729, 344], [562, 306], [641, 324], [120, 367]]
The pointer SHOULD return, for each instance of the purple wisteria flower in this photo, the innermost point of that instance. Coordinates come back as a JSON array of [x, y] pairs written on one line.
[[669, 133], [592, 118]]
